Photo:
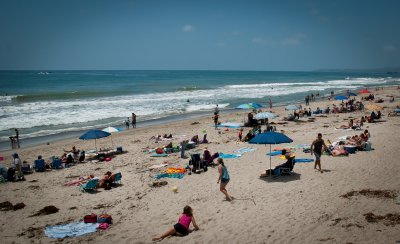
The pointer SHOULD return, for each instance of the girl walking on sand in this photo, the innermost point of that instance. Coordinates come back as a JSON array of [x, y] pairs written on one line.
[[223, 178]]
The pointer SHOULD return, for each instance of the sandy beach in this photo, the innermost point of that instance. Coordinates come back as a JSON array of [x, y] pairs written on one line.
[[306, 207]]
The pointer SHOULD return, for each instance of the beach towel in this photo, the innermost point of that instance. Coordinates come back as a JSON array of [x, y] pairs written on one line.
[[223, 155], [159, 155], [166, 175], [70, 230], [172, 172], [244, 150], [229, 125], [303, 160], [275, 153], [302, 146]]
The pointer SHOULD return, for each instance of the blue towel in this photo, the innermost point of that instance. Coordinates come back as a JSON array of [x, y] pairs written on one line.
[[223, 155], [275, 153], [230, 125], [244, 150], [70, 230], [165, 175], [303, 160]]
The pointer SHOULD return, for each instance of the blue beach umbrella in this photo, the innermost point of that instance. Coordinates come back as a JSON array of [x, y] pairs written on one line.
[[245, 106], [341, 98], [255, 105], [292, 107], [94, 134], [270, 138]]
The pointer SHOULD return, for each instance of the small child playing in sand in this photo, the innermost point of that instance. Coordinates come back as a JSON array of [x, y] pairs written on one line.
[[182, 227]]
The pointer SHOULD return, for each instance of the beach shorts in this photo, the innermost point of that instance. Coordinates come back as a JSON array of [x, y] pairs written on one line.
[[181, 229], [224, 181], [317, 156]]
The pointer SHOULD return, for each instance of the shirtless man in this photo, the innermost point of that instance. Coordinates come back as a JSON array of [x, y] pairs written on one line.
[[317, 147]]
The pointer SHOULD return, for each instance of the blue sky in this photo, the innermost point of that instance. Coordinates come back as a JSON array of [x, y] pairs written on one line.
[[199, 35]]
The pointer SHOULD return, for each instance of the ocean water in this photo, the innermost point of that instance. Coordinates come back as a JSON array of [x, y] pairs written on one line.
[[57, 102]]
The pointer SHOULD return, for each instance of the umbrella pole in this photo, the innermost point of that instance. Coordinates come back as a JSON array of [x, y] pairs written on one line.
[[112, 143], [270, 167]]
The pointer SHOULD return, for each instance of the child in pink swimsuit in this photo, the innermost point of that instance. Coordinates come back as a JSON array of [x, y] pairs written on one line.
[[182, 227]]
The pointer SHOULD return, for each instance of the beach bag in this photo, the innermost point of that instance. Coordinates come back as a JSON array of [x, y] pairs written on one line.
[[368, 146], [103, 226], [11, 174], [92, 218], [104, 218]]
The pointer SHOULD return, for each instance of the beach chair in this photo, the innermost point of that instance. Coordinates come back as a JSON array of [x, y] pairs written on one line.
[[118, 177], [56, 163], [39, 165], [285, 170], [90, 185]]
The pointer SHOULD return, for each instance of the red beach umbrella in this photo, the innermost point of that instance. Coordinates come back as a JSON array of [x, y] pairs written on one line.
[[363, 91]]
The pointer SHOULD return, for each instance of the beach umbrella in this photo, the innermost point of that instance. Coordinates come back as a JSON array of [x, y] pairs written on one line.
[[292, 107], [255, 105], [245, 106], [341, 98], [265, 115], [351, 94], [249, 106], [270, 138], [94, 134], [111, 129], [373, 107], [364, 91]]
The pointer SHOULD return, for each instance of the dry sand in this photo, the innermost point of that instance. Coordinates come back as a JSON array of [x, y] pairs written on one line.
[[306, 207]]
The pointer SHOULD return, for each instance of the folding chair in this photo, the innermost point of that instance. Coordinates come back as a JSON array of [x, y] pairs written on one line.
[[90, 185], [118, 177], [39, 165]]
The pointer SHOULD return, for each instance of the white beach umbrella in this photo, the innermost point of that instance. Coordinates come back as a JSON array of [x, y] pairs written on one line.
[[111, 129]]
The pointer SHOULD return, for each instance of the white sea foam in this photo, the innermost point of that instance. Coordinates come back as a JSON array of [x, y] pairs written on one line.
[[71, 113]]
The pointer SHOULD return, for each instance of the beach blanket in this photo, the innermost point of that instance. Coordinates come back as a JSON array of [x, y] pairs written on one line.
[[303, 160], [244, 150], [302, 146], [70, 230], [223, 155], [171, 172], [230, 125], [159, 155], [165, 175]]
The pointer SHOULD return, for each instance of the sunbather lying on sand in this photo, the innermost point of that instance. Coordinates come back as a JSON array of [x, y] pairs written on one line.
[[79, 181]]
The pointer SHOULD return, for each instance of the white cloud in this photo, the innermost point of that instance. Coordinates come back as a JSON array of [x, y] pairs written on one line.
[[294, 40], [188, 28], [389, 48], [263, 41]]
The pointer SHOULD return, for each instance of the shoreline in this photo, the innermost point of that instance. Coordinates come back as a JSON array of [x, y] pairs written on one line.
[[57, 137]]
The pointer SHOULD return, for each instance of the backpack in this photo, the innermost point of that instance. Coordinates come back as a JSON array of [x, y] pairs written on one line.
[[104, 218], [92, 218], [11, 174]]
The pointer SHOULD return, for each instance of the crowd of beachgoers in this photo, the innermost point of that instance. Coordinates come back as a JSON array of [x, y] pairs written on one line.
[[156, 179]]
